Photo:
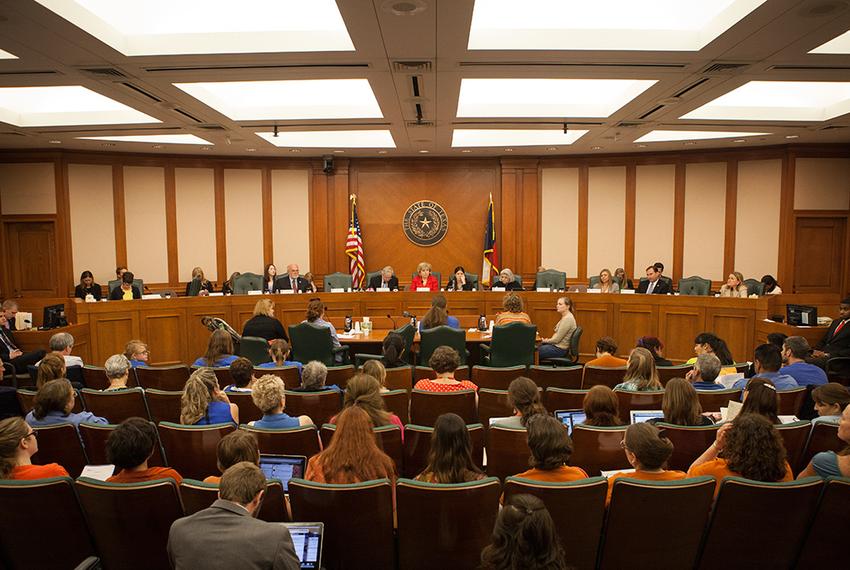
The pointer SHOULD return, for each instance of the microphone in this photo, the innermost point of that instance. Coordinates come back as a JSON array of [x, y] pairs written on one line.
[[406, 314], [395, 326]]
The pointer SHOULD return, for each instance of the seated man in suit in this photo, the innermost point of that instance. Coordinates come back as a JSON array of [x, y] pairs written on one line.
[[836, 341], [226, 535], [293, 281], [654, 284], [9, 351], [386, 279]]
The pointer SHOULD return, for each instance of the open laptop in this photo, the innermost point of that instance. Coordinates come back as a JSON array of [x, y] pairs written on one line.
[[639, 416], [571, 418], [307, 539], [283, 467]]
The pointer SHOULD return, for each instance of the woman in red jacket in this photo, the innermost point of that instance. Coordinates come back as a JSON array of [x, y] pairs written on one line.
[[424, 279]]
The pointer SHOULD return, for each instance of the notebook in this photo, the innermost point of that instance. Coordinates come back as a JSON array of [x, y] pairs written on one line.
[[571, 418], [283, 467], [639, 416], [307, 539]]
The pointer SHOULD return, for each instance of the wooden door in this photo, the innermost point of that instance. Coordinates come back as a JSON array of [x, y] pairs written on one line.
[[31, 259], [819, 254]]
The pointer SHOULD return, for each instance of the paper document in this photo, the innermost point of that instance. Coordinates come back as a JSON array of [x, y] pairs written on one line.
[[607, 474], [730, 413], [99, 472]]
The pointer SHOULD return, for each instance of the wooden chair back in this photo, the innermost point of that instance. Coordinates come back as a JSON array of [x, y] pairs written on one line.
[[496, 378], [191, 450], [507, 451], [248, 411], [400, 378], [824, 437], [598, 449], [426, 407], [302, 440], [273, 506], [167, 378], [94, 438], [689, 442], [426, 373], [493, 404], [197, 495], [564, 399], [398, 402], [628, 401], [794, 436], [60, 443], [339, 375], [828, 530], [164, 406], [289, 374], [319, 406], [568, 377], [791, 401], [667, 373], [94, 377], [596, 375], [713, 400], [118, 405]]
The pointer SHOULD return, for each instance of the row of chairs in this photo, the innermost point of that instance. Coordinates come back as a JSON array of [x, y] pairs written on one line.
[[800, 524]]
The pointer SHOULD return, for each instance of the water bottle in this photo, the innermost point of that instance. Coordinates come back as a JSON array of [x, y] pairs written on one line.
[[347, 327], [413, 321], [482, 323]]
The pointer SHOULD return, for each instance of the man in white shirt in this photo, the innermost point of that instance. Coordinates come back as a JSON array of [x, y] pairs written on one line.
[[62, 344]]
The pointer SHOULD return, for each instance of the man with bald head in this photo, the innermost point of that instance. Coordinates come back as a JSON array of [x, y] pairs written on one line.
[[293, 281], [385, 280]]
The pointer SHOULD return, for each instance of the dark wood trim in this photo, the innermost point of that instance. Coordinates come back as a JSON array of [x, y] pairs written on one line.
[[731, 216], [268, 224], [679, 222], [171, 226], [631, 201], [583, 186], [220, 224], [64, 248], [120, 215], [785, 263], [821, 213]]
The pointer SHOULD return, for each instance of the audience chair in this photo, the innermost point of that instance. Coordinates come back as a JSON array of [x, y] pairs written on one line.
[[713, 400], [426, 407], [247, 282], [319, 406], [197, 495], [426, 373], [824, 437], [648, 400], [493, 404], [496, 378], [398, 402], [598, 449], [772, 518], [563, 399], [42, 525], [340, 375], [577, 509], [794, 436], [312, 342], [273, 505], [118, 405], [168, 378], [551, 278], [94, 377], [130, 521], [289, 374], [248, 411], [60, 443], [255, 349], [512, 344], [694, 286], [430, 339], [572, 358], [400, 378], [222, 375], [838, 369], [417, 444], [741, 367], [596, 375], [388, 438], [336, 281], [689, 442], [301, 440], [667, 373], [26, 398], [464, 513], [680, 508], [358, 521], [94, 438], [507, 451], [568, 377], [790, 401], [191, 450], [827, 533], [163, 406], [408, 333]]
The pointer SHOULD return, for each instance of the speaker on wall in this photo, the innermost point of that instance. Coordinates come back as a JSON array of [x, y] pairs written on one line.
[[328, 164]]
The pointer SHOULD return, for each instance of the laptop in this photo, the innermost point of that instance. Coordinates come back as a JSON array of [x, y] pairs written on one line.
[[571, 418], [639, 416], [307, 539], [283, 467]]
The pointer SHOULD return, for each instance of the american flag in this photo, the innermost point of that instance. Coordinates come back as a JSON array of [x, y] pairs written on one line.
[[354, 248]]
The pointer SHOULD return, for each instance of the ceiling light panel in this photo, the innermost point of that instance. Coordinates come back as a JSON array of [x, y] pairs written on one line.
[[839, 45], [779, 101], [666, 136], [513, 137], [6, 55], [282, 100], [662, 25], [64, 105], [331, 139], [166, 27], [152, 139], [547, 97]]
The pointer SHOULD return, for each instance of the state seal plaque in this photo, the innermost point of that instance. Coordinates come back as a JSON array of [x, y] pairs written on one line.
[[425, 223]]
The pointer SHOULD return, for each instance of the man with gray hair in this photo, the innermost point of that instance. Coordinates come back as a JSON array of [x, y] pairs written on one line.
[[62, 344], [386, 279], [795, 350], [705, 373], [226, 535], [313, 377]]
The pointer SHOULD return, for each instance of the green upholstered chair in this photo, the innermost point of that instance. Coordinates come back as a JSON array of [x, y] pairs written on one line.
[[247, 282], [551, 278], [694, 286], [512, 344], [443, 335], [312, 342], [115, 283], [369, 276], [754, 287], [572, 358], [337, 281], [828, 529], [472, 279], [593, 282], [407, 332], [255, 349]]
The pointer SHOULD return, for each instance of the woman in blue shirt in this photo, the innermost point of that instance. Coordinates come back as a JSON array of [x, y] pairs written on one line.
[[219, 351], [53, 404], [316, 316], [829, 463], [137, 353], [203, 403], [279, 351], [269, 395]]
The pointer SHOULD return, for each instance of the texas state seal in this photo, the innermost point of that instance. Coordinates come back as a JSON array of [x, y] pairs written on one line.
[[425, 223]]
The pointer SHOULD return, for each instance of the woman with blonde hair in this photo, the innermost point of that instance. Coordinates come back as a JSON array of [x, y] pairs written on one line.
[[51, 367], [269, 395], [203, 403], [137, 353], [219, 351], [364, 391], [513, 313], [734, 286], [18, 443], [641, 374], [424, 278], [558, 345], [681, 405], [264, 324], [376, 369], [206, 285], [607, 283]]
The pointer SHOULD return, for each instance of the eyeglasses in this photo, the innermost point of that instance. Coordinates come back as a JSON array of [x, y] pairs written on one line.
[[31, 434], [623, 444]]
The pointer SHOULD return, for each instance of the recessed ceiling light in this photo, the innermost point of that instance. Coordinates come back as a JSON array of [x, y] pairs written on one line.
[[779, 101], [331, 139], [382, 152], [514, 137], [107, 145], [552, 148], [6, 55], [288, 99], [547, 97], [839, 45], [792, 136], [424, 151], [64, 105], [339, 151], [165, 27], [251, 150], [596, 148], [157, 146], [666, 136], [295, 150], [739, 140], [509, 150], [55, 141], [642, 146], [662, 25], [206, 148], [689, 143], [466, 150], [165, 139]]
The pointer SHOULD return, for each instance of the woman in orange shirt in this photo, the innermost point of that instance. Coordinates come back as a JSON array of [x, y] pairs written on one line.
[[18, 443], [235, 447], [551, 449], [512, 303], [647, 452], [130, 448], [749, 447], [606, 347]]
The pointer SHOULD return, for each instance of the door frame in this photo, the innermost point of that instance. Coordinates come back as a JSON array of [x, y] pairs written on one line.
[[792, 237]]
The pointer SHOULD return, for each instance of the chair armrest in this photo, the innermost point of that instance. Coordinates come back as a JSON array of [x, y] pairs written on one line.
[[361, 358], [9, 375], [344, 351], [485, 348]]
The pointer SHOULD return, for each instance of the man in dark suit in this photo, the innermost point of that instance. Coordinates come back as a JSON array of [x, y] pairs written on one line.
[[386, 280], [9, 351], [292, 281], [836, 341], [654, 284], [226, 535]]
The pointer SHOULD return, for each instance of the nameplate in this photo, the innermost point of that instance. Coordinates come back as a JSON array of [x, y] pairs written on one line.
[[627, 291], [423, 289], [544, 289], [383, 289], [286, 292], [152, 296], [338, 289], [497, 289], [594, 291], [219, 294], [255, 292]]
